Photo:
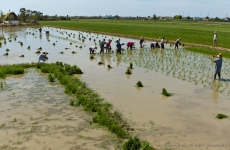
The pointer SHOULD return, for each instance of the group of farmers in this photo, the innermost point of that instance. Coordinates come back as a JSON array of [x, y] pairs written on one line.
[[130, 45]]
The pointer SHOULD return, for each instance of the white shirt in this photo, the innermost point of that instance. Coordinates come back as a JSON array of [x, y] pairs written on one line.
[[162, 41]]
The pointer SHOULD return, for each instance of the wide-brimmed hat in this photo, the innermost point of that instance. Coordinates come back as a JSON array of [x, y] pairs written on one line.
[[220, 55], [215, 32]]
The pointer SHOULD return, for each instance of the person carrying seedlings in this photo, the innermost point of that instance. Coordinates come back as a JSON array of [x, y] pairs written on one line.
[[130, 45], [218, 65], [154, 45], [92, 49], [177, 43], [102, 46], [215, 39], [119, 46], [42, 57], [142, 40], [108, 46], [163, 43]]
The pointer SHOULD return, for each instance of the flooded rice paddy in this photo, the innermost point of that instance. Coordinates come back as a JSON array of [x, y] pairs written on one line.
[[184, 121]]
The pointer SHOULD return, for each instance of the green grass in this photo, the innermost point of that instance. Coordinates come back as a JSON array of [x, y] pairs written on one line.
[[136, 144], [208, 51], [190, 32]]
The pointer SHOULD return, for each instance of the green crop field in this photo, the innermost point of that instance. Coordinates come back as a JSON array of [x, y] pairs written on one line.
[[189, 31]]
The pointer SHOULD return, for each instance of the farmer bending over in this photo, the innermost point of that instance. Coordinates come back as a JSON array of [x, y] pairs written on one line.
[[42, 57], [130, 45], [154, 45], [92, 49]]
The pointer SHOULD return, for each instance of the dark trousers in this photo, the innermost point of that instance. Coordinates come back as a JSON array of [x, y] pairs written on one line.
[[152, 46], [217, 72], [119, 50], [141, 44], [162, 46], [176, 46], [102, 50]]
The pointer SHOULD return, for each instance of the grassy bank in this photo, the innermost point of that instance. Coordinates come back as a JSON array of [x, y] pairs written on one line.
[[103, 112], [190, 32], [208, 51]]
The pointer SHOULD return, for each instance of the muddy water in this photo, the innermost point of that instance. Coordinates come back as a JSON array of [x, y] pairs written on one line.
[[35, 115], [184, 121]]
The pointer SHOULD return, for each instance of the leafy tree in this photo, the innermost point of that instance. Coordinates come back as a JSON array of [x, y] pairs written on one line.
[[178, 17], [154, 16], [117, 17]]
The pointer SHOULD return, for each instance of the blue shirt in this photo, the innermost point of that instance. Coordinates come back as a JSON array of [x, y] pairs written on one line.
[[42, 58], [218, 65], [118, 45]]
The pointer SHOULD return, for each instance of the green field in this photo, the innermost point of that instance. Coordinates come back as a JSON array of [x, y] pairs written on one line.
[[190, 32]]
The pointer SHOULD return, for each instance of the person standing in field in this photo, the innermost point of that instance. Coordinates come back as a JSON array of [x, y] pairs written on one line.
[[119, 46], [102, 44], [177, 43], [92, 49], [130, 45], [108, 47], [162, 43], [218, 65], [215, 39], [40, 29], [142, 40]]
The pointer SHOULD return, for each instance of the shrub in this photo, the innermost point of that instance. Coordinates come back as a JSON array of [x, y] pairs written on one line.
[[51, 78], [136, 144]]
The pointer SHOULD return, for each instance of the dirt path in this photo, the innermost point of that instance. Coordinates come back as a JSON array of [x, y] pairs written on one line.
[[36, 115]]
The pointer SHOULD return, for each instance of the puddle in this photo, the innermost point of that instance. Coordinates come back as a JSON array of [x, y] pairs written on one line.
[[37, 115], [186, 118]]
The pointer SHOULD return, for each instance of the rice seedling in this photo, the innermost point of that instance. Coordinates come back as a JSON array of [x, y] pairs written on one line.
[[66, 48], [221, 116], [38, 52], [28, 47], [164, 92], [128, 71], [73, 52], [70, 43], [15, 120], [91, 57], [21, 56], [40, 48], [7, 50], [80, 47], [6, 54], [61, 52], [100, 63], [131, 65], [136, 144], [139, 84], [2, 125], [54, 44], [51, 78], [109, 66], [1, 84]]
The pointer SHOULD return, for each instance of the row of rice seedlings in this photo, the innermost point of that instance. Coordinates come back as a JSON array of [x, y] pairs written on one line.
[[86, 98]]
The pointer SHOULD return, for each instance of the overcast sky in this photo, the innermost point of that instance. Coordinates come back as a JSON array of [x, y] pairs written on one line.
[[198, 8]]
